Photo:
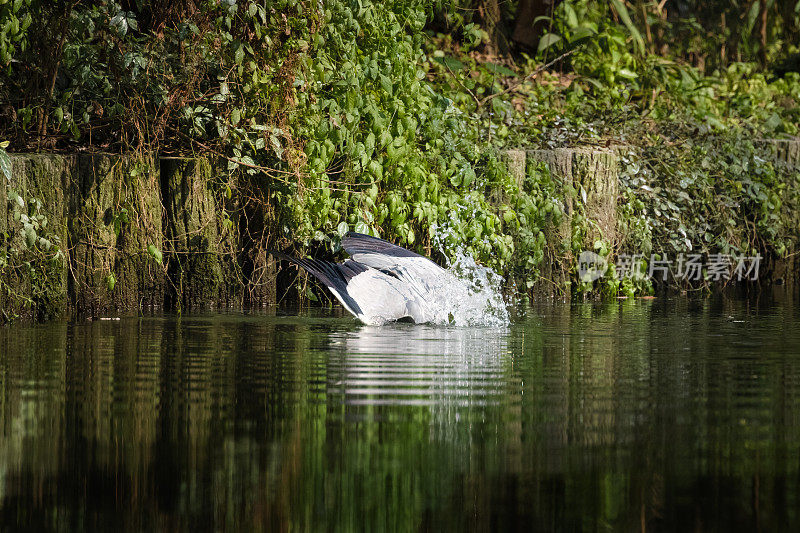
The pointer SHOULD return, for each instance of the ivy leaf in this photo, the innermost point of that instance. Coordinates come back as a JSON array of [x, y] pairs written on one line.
[[496, 68], [156, 254], [120, 22], [30, 235], [548, 40], [5, 164], [276, 145], [362, 227]]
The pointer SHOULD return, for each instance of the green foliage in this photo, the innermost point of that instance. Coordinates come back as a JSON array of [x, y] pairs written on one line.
[[15, 19], [359, 116], [28, 247], [156, 254]]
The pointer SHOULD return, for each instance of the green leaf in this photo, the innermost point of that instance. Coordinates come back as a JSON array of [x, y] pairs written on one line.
[[450, 62], [622, 11], [772, 123], [30, 235], [310, 294], [548, 40], [155, 253], [276, 145], [572, 18], [5, 164], [582, 32], [111, 281], [752, 15], [386, 83], [499, 69]]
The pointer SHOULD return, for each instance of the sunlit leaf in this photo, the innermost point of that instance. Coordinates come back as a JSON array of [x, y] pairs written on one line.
[[450, 62], [155, 253], [548, 40], [622, 11]]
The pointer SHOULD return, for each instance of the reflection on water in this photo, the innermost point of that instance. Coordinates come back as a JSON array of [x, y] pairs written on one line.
[[662, 415], [417, 365]]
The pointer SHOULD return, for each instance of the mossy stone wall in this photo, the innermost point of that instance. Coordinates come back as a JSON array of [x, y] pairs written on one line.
[[202, 246], [40, 292], [135, 232], [115, 215]]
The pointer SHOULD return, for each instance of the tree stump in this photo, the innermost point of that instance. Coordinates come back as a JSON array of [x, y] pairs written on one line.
[[115, 217], [202, 247], [42, 181], [588, 182]]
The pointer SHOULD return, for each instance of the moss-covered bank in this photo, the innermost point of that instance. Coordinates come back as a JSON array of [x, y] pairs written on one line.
[[102, 233], [118, 233]]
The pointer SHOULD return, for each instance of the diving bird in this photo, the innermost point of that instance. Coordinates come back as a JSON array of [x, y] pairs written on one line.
[[380, 282]]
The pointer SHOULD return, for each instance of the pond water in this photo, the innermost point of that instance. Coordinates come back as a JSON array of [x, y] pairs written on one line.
[[656, 415]]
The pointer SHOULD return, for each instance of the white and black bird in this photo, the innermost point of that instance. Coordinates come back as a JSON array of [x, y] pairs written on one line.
[[381, 282]]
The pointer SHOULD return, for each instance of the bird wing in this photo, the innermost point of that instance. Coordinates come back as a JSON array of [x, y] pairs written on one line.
[[358, 243], [419, 272], [371, 295], [381, 297]]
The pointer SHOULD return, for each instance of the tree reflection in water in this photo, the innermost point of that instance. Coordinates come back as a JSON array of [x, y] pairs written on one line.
[[666, 415]]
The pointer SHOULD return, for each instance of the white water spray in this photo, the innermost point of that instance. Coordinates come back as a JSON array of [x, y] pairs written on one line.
[[471, 294]]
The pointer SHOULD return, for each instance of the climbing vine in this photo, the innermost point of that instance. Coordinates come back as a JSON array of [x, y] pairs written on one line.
[[30, 253], [389, 118]]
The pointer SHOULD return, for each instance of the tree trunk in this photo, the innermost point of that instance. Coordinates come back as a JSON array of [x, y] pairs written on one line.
[[491, 19], [526, 30], [763, 17]]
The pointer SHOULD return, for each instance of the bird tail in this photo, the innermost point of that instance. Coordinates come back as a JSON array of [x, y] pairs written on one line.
[[319, 269], [330, 274]]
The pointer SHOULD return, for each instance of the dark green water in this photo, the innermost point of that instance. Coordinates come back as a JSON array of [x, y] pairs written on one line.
[[658, 415]]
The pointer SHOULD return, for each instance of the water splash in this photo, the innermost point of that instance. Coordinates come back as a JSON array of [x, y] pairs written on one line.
[[471, 294]]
